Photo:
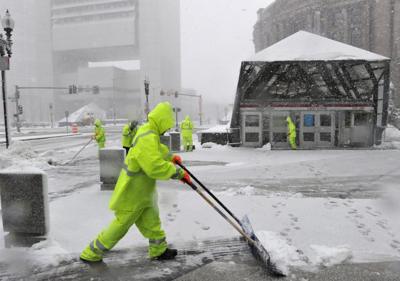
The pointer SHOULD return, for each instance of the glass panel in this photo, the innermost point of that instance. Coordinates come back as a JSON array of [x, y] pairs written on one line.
[[266, 123], [325, 120], [279, 137], [252, 121], [279, 121], [361, 119], [325, 137], [347, 119], [308, 136], [308, 120], [252, 137]]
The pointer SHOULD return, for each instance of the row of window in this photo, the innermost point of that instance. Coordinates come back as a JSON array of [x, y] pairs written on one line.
[[282, 137], [309, 120], [93, 18]]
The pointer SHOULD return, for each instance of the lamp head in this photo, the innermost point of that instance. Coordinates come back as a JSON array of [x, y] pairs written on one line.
[[7, 22]]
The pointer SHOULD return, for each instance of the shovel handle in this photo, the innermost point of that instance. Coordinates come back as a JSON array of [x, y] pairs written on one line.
[[210, 193], [194, 187]]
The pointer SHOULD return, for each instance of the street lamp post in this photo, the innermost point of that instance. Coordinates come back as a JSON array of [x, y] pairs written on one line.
[[5, 47]]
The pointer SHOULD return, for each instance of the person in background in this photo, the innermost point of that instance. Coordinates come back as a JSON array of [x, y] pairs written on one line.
[[99, 134], [187, 133], [134, 200], [291, 133], [128, 133]]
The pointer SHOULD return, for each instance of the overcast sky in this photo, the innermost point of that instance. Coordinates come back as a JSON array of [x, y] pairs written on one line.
[[216, 37]]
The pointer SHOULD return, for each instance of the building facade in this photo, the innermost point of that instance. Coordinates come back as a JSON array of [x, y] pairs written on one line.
[[367, 24]]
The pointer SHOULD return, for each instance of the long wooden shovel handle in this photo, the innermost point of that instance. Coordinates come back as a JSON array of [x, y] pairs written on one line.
[[194, 187]]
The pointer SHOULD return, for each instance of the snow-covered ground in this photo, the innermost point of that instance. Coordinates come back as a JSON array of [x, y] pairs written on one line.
[[310, 209]]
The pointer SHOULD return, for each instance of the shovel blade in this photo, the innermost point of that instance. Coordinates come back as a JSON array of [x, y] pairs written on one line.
[[258, 250]]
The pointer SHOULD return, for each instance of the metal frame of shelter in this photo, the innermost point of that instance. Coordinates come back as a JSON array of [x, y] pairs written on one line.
[[313, 84]]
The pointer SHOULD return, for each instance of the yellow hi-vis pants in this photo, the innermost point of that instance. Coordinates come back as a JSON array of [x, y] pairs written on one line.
[[147, 221]]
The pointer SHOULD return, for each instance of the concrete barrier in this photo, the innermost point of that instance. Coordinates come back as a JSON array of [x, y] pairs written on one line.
[[24, 203], [166, 140], [111, 163], [175, 141]]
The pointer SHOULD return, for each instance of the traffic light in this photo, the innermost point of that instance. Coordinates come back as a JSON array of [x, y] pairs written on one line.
[[20, 109], [95, 90]]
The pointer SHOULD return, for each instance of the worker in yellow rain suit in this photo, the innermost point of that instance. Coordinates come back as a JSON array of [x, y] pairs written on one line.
[[99, 133], [128, 133], [134, 200], [187, 134], [291, 133]]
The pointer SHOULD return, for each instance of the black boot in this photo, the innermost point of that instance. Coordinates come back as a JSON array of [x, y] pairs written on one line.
[[169, 254]]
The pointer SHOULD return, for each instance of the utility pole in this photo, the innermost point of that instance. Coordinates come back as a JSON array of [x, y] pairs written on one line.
[[51, 115]]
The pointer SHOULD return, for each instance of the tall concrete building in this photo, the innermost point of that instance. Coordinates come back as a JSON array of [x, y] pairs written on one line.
[[93, 31], [56, 43], [369, 24]]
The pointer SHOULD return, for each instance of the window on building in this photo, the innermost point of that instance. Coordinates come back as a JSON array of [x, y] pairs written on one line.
[[252, 121], [361, 119], [252, 137], [325, 137], [308, 120], [325, 120], [347, 119], [279, 121], [279, 137], [308, 136]]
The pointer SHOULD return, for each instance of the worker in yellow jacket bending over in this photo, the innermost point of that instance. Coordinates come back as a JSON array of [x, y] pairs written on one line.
[[134, 200], [187, 134], [291, 133], [99, 133], [128, 133]]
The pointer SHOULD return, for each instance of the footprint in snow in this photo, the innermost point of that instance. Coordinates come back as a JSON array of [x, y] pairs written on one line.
[[205, 227]]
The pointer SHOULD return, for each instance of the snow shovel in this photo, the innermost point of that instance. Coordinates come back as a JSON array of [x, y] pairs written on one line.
[[242, 226], [76, 154]]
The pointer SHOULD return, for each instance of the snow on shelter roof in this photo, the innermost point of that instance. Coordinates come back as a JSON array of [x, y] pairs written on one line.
[[306, 46]]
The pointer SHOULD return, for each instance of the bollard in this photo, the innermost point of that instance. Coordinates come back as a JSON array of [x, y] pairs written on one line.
[[111, 163], [175, 141], [166, 140], [24, 203]]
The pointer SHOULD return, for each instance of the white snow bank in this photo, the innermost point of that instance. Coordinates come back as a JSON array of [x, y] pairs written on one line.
[[282, 254], [44, 254], [328, 256], [21, 149]]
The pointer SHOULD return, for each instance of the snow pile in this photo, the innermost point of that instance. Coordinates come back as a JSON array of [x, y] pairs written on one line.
[[246, 191], [282, 254], [21, 150], [328, 256], [392, 134], [42, 255], [20, 156], [212, 145], [266, 147]]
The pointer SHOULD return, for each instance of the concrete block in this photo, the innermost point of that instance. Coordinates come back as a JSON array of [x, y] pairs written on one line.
[[21, 240], [166, 140], [175, 141], [24, 202], [111, 163]]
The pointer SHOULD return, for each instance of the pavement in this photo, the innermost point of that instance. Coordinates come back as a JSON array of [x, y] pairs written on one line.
[[216, 259]]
